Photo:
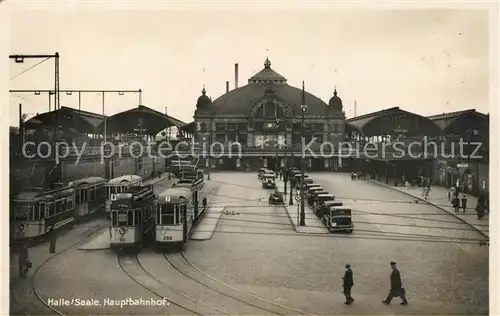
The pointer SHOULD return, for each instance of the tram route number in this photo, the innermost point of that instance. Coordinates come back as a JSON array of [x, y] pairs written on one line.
[[122, 239], [165, 238]]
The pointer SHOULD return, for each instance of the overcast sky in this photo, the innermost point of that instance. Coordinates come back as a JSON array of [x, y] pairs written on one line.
[[425, 61]]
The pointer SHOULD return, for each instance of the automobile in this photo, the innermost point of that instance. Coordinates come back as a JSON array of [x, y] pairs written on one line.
[[321, 199], [339, 219], [261, 172], [323, 209], [311, 195], [268, 181], [309, 186], [276, 198]]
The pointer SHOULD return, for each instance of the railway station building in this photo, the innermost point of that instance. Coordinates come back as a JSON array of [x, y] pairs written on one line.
[[265, 118]]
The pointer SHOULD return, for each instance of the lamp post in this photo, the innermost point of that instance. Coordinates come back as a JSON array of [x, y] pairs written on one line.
[[289, 178], [276, 165], [285, 173], [210, 145], [303, 108]]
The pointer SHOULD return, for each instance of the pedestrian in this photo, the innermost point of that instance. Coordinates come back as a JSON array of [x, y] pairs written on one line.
[[456, 204], [397, 288], [23, 261], [449, 195], [52, 240], [464, 202], [347, 283]]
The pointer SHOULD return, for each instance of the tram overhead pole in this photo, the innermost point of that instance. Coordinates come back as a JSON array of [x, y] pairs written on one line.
[[19, 59]]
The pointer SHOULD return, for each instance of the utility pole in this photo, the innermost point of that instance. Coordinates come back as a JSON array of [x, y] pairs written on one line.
[[21, 128], [210, 145], [285, 173], [276, 165], [290, 202], [303, 107]]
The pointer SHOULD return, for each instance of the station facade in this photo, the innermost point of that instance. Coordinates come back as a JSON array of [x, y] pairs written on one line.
[[265, 118]]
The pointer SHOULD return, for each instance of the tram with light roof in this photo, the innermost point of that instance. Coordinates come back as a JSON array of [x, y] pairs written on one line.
[[89, 196], [119, 185], [179, 209], [132, 217], [37, 211]]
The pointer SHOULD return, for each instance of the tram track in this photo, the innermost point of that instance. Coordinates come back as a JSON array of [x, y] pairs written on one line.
[[141, 276], [181, 264], [94, 230]]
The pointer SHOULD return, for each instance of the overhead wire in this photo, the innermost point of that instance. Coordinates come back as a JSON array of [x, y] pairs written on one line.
[[29, 68], [361, 230], [403, 215], [371, 200]]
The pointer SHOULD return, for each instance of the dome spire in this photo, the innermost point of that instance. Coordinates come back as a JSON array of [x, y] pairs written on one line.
[[267, 63], [203, 91], [335, 90]]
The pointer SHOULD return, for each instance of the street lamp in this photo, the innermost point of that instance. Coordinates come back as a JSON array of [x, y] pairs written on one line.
[[285, 174], [303, 108], [210, 145], [277, 144], [289, 174]]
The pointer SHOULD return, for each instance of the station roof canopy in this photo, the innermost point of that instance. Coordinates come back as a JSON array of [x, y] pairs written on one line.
[[393, 121], [189, 127], [141, 118], [69, 118], [460, 121]]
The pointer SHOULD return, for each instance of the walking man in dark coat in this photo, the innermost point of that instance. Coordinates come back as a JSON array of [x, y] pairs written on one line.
[[396, 286], [23, 261], [348, 282], [52, 240]]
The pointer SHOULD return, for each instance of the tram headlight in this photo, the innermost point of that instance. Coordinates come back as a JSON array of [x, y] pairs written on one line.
[[122, 231], [21, 227]]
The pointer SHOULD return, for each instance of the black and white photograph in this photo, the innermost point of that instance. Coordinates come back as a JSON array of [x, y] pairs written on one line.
[[250, 158]]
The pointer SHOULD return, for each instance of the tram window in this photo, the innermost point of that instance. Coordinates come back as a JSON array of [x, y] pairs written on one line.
[[70, 203], [41, 210], [83, 196], [130, 218], [34, 210], [58, 206], [21, 212], [30, 212], [100, 192], [138, 218], [51, 209], [167, 214]]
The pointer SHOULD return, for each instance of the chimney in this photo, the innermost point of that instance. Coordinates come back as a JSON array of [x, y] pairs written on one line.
[[355, 108], [236, 76], [227, 86], [166, 111]]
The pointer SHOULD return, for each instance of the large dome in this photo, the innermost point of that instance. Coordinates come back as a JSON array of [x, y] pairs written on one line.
[[239, 101]]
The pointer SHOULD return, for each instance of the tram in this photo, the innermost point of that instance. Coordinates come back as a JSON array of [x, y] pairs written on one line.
[[89, 195], [119, 185], [179, 209], [132, 216], [37, 211]]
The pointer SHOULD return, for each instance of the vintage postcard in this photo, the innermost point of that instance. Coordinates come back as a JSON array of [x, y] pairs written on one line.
[[249, 158]]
